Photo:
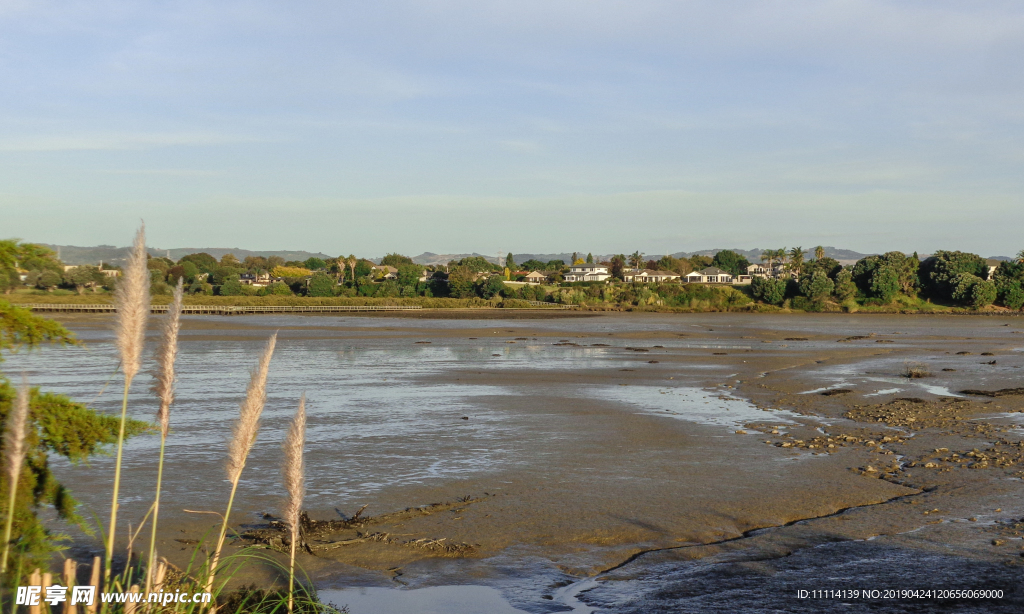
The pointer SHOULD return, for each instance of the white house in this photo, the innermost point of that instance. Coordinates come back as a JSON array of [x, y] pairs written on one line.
[[383, 271], [710, 275], [258, 280], [535, 277], [587, 272], [777, 270], [649, 276]]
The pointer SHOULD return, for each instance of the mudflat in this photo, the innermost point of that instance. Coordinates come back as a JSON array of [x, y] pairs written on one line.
[[666, 455]]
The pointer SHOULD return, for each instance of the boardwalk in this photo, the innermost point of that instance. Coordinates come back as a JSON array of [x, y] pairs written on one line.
[[222, 310], [230, 310]]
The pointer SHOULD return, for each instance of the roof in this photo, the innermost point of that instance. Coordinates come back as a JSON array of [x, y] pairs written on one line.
[[536, 274], [653, 273], [712, 270]]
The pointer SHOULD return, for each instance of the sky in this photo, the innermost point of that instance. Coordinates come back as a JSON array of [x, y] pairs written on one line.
[[531, 126]]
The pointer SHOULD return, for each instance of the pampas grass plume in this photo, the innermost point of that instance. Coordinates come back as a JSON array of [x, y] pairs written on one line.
[[248, 423], [294, 473], [132, 299], [14, 457], [163, 385], [14, 435]]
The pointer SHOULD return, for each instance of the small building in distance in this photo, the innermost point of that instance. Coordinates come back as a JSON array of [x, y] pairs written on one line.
[[710, 275], [383, 271], [587, 272], [535, 277], [644, 276], [257, 280]]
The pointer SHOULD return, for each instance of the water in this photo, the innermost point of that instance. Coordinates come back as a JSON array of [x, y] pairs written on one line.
[[465, 599]]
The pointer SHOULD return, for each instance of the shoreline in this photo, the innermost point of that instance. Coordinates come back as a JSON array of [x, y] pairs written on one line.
[[599, 480]]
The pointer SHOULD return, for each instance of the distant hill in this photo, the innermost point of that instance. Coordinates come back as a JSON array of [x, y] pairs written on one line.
[[844, 256], [73, 254]]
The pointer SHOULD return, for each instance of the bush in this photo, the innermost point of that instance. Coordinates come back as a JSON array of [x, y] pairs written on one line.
[[321, 285], [983, 294], [1012, 295], [771, 291]]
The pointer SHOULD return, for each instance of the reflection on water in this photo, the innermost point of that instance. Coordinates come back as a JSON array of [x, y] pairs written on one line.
[[693, 404], [383, 410]]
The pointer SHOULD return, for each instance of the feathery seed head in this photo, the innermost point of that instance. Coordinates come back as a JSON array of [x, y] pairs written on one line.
[[14, 435], [132, 300], [294, 468], [248, 423], [163, 385]]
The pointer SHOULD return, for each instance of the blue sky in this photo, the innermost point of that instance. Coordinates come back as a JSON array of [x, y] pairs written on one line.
[[525, 126]]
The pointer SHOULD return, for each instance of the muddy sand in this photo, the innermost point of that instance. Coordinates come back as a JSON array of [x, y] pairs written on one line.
[[714, 462]]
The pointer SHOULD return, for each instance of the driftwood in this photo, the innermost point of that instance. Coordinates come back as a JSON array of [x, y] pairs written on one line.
[[314, 535]]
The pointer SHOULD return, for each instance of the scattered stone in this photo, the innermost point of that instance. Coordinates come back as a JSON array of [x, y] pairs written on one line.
[[963, 353], [795, 339], [835, 392]]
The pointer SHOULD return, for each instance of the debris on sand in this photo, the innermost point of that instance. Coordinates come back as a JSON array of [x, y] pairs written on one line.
[[1003, 392], [325, 535], [916, 371], [836, 391]]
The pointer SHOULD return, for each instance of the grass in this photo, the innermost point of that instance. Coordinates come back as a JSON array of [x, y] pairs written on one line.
[[916, 370]]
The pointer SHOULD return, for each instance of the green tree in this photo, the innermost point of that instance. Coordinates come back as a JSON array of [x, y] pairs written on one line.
[[409, 274], [314, 264], [1011, 295], [962, 287], [82, 276], [460, 282], [477, 264], [983, 294], [828, 266], [769, 290], [817, 287], [819, 252], [279, 289], [510, 262], [230, 260], [47, 280], [636, 260], [590, 258], [230, 287], [492, 286], [395, 260], [202, 261], [937, 273], [796, 259], [731, 262], [321, 285], [845, 289], [885, 284]]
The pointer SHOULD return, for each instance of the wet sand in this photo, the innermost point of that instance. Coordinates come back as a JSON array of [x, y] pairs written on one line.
[[584, 451]]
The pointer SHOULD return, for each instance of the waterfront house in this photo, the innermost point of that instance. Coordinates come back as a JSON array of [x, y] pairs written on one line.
[[649, 276], [535, 277], [710, 275], [588, 272]]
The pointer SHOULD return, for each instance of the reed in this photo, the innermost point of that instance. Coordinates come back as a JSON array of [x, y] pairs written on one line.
[[243, 437], [14, 453], [132, 299], [163, 387], [294, 473]]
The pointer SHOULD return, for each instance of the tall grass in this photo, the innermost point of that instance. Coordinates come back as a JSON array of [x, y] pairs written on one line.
[[132, 299], [164, 390], [243, 437], [14, 453], [293, 471]]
